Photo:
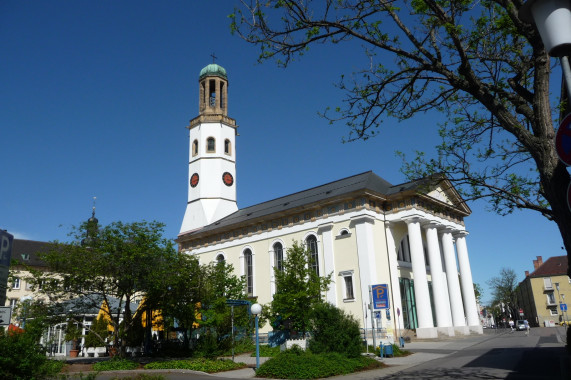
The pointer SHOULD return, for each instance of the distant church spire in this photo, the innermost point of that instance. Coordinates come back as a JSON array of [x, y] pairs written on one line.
[[92, 226]]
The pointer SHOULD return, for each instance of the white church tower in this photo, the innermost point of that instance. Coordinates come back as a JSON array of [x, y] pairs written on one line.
[[212, 158]]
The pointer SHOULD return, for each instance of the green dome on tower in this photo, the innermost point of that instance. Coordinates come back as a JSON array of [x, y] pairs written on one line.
[[213, 70]]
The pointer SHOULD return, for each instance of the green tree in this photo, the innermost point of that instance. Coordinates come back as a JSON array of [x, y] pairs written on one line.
[[476, 63], [334, 331], [299, 289], [478, 292], [110, 266], [504, 292]]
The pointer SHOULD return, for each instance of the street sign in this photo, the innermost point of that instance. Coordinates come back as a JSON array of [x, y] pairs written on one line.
[[380, 296], [6, 241], [5, 315], [563, 140], [563, 306]]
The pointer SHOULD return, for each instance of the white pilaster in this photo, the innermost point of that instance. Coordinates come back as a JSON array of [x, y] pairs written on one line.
[[467, 283], [426, 327], [326, 231], [456, 306], [365, 252], [441, 300]]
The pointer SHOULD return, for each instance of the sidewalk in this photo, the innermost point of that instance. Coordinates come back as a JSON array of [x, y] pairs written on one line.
[[423, 351]]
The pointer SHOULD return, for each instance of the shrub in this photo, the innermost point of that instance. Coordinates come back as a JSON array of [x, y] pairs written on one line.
[[334, 331], [115, 364], [298, 364], [204, 365], [21, 357]]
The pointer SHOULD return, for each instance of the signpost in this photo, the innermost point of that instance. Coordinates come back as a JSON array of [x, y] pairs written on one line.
[[563, 306], [5, 315], [563, 140], [563, 148], [380, 296], [6, 241]]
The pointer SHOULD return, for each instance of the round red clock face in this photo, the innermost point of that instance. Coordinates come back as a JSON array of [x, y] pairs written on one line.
[[194, 180], [227, 179]]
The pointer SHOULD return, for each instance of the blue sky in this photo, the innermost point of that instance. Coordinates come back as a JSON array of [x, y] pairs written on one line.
[[95, 97]]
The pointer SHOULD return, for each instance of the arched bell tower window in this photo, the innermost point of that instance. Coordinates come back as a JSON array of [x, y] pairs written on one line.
[[227, 147], [195, 147], [311, 243], [211, 145]]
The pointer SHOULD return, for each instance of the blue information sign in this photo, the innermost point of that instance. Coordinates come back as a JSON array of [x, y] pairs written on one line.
[[563, 306], [380, 296]]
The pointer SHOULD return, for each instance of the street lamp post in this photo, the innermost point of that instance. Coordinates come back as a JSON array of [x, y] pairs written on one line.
[[553, 21], [256, 309]]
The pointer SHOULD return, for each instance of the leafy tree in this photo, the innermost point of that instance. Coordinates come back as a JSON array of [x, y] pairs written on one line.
[[476, 63], [118, 262], [298, 290], [98, 333], [334, 331], [478, 292], [504, 292]]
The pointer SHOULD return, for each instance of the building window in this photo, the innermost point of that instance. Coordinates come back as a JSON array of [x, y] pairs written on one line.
[[13, 302], [248, 272], [220, 258], [408, 302], [16, 283], [29, 285], [349, 288], [279, 256], [553, 311], [227, 147], [404, 250], [195, 147], [311, 243], [210, 145], [551, 298], [547, 283], [348, 283]]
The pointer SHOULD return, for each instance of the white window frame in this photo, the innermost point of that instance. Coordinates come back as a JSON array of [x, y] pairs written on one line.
[[348, 274], [16, 283], [547, 284], [551, 298], [553, 311]]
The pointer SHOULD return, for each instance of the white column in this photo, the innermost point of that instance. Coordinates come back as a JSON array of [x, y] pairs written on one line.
[[395, 285], [467, 283], [441, 300], [456, 306], [365, 253], [426, 327], [326, 231]]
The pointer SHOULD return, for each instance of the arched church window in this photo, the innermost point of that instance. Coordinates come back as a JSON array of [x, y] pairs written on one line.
[[195, 147], [220, 258], [248, 272], [403, 253], [210, 145], [311, 243], [227, 147], [279, 256], [212, 95]]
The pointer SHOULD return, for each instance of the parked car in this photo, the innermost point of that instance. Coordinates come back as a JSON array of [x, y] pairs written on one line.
[[520, 325]]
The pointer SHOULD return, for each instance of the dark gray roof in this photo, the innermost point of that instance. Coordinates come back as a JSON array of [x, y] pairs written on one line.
[[89, 305], [26, 251], [364, 181]]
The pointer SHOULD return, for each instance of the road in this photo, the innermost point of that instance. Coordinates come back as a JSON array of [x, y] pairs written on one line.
[[512, 356]]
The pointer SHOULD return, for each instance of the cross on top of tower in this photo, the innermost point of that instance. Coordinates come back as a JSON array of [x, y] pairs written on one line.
[[213, 57]]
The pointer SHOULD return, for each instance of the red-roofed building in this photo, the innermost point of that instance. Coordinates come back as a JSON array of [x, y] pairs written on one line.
[[543, 290]]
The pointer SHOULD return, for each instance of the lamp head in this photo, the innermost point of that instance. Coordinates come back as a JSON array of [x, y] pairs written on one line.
[[256, 309]]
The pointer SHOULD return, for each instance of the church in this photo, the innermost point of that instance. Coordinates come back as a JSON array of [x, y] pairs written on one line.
[[409, 239]]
